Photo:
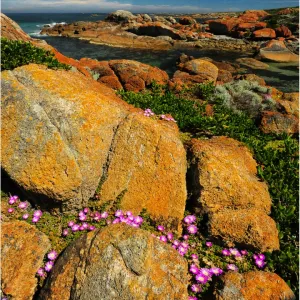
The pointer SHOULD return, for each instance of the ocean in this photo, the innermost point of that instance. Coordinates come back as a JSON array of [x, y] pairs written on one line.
[[284, 76]]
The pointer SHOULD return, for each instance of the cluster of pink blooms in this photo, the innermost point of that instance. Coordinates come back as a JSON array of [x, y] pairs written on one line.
[[259, 260], [23, 206], [52, 255], [85, 216], [149, 113]]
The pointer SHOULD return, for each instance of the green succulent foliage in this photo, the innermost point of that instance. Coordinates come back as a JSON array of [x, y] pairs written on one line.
[[244, 96], [18, 53], [276, 155]]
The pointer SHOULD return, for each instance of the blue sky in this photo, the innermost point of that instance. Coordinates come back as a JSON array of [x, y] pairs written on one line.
[[156, 6]]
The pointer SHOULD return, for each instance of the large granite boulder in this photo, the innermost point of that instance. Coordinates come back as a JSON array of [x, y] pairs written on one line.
[[250, 228], [119, 262], [265, 33], [224, 187], [23, 248], [224, 176], [61, 138], [253, 285]]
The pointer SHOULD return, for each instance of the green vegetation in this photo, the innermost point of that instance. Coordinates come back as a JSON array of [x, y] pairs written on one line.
[[277, 156], [17, 53]]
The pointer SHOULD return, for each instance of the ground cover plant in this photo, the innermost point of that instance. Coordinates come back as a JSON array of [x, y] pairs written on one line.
[[18, 53]]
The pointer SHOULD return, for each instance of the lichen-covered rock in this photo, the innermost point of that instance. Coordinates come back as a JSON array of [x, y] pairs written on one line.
[[121, 16], [250, 228], [65, 136], [147, 165], [283, 31], [202, 70], [251, 77], [253, 285], [23, 248], [119, 262], [265, 33], [224, 176], [128, 74], [275, 122]]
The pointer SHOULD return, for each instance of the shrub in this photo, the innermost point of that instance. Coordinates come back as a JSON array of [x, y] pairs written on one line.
[[18, 53], [244, 96], [278, 166]]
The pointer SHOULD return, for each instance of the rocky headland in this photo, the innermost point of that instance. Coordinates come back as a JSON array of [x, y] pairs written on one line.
[[136, 204]]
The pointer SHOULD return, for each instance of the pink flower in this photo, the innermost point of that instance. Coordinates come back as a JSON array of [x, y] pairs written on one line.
[[163, 238], [232, 267], [216, 271], [234, 252], [52, 255], [192, 229], [23, 205], [116, 221], [75, 227], [65, 232], [206, 272], [41, 272], [170, 236], [244, 252], [37, 213], [10, 210], [48, 266], [194, 256], [189, 219], [13, 199], [25, 216], [260, 263], [86, 210], [225, 252], [208, 244], [104, 215], [138, 220], [196, 288], [160, 228], [193, 269], [82, 218], [185, 237], [118, 213], [201, 278], [71, 223], [91, 228], [35, 219]]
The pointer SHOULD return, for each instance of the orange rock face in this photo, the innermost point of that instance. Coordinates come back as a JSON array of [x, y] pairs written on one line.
[[283, 31], [23, 248], [248, 227], [119, 262], [227, 176], [266, 33], [81, 134], [275, 122], [253, 285]]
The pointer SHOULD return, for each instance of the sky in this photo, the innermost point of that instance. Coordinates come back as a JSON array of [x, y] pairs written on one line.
[[135, 6]]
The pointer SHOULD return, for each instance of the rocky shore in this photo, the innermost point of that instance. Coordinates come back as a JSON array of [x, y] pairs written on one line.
[[130, 206]]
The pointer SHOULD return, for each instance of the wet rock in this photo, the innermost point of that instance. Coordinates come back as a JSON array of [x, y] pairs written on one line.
[[253, 285], [23, 248], [224, 177], [249, 228], [275, 122], [118, 262], [252, 63]]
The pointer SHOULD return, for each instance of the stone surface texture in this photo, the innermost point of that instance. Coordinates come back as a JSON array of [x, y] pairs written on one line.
[[23, 248], [119, 262]]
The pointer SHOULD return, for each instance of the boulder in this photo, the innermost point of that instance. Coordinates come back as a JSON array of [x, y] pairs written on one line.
[[171, 20], [203, 68], [276, 51], [224, 77], [266, 33], [288, 107], [61, 139], [249, 228], [251, 26], [120, 16], [288, 11], [293, 97], [251, 77], [222, 26], [127, 74], [223, 176], [252, 285], [119, 262], [252, 63], [283, 31], [275, 122], [23, 248], [187, 21]]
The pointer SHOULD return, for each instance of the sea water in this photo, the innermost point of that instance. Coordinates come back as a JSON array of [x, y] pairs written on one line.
[[284, 76]]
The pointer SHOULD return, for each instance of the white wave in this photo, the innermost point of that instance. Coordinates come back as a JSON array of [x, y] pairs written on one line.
[[53, 24]]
